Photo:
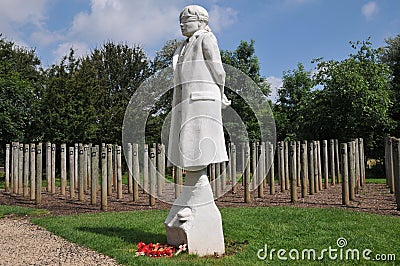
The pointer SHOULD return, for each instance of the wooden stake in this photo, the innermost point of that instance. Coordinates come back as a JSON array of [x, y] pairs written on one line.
[[298, 163], [109, 169], [316, 167], [281, 166], [48, 167], [129, 162], [104, 179], [53, 168], [81, 175], [396, 163], [345, 177], [303, 172], [271, 174], [72, 177], [7, 168], [357, 183], [337, 161], [352, 170], [145, 168], [332, 161], [293, 172], [119, 171], [26, 170], [233, 168], [320, 181], [247, 197], [217, 179], [76, 165], [39, 170], [160, 177], [63, 152], [362, 161], [20, 168], [311, 171], [32, 171], [326, 163], [94, 174], [223, 176], [260, 170], [14, 166], [152, 155], [136, 172], [254, 161], [287, 185], [86, 152]]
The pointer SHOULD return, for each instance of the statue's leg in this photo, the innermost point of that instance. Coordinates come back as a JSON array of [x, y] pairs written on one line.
[[194, 219]]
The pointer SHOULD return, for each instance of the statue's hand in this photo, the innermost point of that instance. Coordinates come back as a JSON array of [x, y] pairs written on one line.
[[225, 102]]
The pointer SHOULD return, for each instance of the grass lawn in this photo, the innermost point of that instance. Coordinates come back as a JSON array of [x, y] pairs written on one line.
[[246, 230], [6, 210], [375, 180]]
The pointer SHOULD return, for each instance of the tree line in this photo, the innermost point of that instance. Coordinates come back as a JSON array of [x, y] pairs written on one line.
[[83, 99], [357, 97]]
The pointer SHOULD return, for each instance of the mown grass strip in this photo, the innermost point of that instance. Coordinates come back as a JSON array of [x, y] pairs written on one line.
[[246, 230]]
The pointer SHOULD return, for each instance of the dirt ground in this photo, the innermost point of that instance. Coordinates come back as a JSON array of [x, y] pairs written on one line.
[[372, 198]]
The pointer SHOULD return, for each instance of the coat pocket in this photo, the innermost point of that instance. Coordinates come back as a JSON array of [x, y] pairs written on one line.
[[204, 96]]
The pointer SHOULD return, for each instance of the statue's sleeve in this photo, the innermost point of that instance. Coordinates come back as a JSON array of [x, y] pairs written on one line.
[[213, 59]]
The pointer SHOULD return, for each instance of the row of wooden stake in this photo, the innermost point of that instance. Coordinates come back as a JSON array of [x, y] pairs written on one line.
[[91, 169], [87, 165], [309, 165]]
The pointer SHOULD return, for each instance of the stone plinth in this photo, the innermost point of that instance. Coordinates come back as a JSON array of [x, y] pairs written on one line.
[[194, 219]]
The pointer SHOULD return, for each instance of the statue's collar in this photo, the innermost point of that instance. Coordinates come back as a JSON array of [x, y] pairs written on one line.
[[197, 34]]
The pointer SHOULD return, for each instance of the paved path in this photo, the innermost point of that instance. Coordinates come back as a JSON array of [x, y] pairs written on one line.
[[23, 243]]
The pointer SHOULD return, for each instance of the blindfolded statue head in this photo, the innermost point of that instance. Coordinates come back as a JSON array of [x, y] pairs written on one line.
[[193, 18]]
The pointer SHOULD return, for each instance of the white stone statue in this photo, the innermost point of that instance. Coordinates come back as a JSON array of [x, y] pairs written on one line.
[[196, 136]]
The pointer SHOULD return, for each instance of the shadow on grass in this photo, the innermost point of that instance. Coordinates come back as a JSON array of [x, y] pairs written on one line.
[[131, 235]]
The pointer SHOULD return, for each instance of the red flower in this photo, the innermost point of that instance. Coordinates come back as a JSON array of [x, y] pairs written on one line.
[[157, 250], [140, 246]]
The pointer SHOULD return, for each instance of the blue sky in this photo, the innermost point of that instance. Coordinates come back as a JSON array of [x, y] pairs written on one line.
[[285, 32]]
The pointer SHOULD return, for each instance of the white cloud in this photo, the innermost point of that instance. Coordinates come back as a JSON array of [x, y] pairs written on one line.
[[221, 17], [139, 22], [275, 83], [22, 11], [45, 37], [369, 10], [15, 14], [148, 23]]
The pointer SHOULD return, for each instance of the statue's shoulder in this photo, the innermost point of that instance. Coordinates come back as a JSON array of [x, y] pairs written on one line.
[[209, 34], [209, 37]]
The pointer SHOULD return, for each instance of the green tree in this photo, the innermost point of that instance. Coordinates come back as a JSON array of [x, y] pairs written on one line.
[[391, 56], [67, 110], [162, 107], [355, 99], [19, 87], [85, 99], [114, 71], [244, 59], [163, 57], [293, 98]]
